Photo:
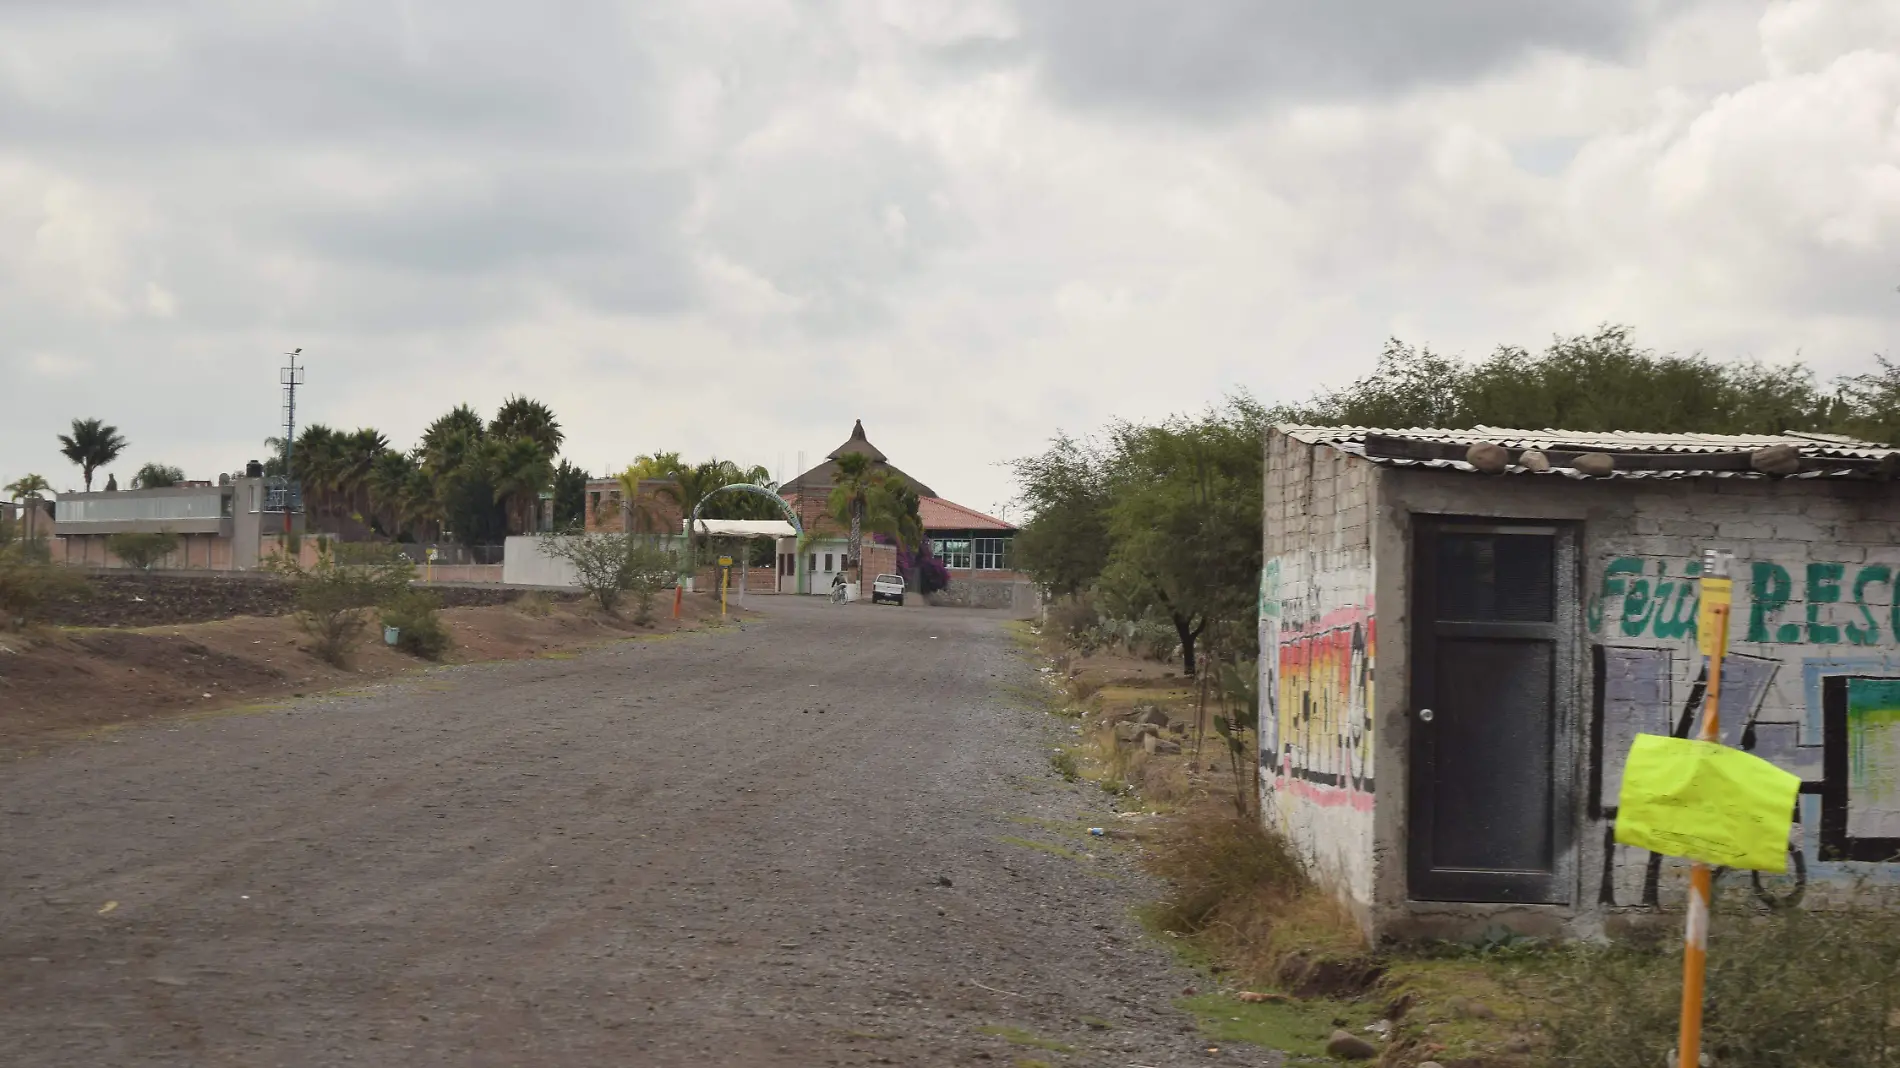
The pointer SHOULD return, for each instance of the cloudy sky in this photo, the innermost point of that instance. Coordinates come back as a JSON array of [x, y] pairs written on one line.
[[732, 226]]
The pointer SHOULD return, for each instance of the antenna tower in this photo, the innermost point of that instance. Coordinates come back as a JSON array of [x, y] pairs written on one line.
[[291, 376]]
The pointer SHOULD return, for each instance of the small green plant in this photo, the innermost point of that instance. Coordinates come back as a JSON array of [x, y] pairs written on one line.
[[1064, 762], [1019, 1036], [30, 581], [419, 627], [336, 595], [142, 548], [537, 605]]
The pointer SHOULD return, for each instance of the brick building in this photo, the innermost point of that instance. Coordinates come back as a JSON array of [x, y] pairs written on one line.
[[974, 548], [1461, 769]]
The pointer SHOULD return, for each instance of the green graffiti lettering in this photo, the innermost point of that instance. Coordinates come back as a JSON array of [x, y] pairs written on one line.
[[1769, 588], [1674, 620], [1868, 575], [1823, 588], [1612, 587], [1637, 608]]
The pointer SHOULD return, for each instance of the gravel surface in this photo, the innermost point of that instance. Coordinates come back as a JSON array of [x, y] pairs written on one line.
[[832, 837]]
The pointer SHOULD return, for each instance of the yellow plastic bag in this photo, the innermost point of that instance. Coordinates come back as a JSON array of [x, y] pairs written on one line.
[[1706, 802]]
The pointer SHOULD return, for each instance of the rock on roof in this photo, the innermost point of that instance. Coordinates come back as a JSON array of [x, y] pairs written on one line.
[[1637, 454]]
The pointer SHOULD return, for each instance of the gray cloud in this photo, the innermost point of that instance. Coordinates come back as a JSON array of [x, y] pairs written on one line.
[[1210, 57]]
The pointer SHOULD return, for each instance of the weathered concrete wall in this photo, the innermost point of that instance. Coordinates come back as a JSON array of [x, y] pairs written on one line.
[[1812, 681], [1318, 649]]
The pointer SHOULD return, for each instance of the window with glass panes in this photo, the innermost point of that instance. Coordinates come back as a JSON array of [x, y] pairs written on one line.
[[992, 554], [954, 552]]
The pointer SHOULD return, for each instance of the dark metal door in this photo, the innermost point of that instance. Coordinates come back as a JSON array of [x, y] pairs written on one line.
[[1493, 615]]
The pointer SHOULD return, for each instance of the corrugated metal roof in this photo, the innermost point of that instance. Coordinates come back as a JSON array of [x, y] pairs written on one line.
[[1810, 444], [1813, 446]]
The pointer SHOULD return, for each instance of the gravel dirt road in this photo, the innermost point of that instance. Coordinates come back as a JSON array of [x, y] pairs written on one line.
[[832, 837]]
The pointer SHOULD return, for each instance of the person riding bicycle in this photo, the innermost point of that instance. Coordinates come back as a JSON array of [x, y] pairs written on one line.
[[837, 587]]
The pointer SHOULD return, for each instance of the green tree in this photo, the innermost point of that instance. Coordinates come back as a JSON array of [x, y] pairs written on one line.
[[1065, 542], [28, 488], [1184, 522], [851, 496], [1596, 381], [522, 469], [520, 417], [570, 495], [462, 420], [317, 462], [387, 485], [157, 476], [142, 548], [91, 445]]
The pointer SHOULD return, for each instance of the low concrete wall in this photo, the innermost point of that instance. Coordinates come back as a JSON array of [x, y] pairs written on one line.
[[525, 563], [477, 573], [1018, 598]]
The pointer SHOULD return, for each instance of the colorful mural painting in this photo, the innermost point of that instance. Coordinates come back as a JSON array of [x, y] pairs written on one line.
[[1830, 715], [1316, 680]]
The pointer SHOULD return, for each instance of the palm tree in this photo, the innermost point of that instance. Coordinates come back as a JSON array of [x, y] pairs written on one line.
[[857, 481], [91, 445], [463, 420], [522, 469], [318, 460], [421, 506], [520, 417], [357, 455], [28, 487], [386, 484], [691, 485]]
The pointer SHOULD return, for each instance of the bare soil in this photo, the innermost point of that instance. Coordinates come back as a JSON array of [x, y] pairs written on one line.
[[57, 681], [831, 836]]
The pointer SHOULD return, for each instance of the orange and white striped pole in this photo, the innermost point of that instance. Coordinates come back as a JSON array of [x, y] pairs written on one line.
[[1717, 595]]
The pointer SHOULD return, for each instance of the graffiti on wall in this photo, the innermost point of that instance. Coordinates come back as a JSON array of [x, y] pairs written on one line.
[[1324, 701], [1801, 688], [1316, 686], [1838, 603]]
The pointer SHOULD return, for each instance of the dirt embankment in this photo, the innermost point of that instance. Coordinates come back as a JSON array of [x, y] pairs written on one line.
[[58, 681], [140, 599]]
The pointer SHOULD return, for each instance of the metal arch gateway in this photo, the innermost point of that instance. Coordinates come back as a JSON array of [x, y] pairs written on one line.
[[798, 529]]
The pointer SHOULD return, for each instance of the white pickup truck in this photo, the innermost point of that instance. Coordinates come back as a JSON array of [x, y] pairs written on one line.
[[887, 589]]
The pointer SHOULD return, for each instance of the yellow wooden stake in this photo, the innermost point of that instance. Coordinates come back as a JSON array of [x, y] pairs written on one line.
[[1712, 639]]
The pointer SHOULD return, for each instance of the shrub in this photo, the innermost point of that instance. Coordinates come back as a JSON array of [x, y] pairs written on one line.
[[421, 632], [1220, 867], [142, 549], [610, 565], [1791, 988], [538, 605], [335, 595], [29, 581], [1073, 616]]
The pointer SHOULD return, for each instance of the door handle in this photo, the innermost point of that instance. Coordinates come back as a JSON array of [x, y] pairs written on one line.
[[1425, 715]]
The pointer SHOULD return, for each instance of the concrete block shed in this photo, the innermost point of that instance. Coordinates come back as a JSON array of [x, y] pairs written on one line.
[[1544, 617]]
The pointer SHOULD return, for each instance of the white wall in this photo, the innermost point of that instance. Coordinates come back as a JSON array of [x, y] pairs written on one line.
[[525, 563], [820, 577]]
